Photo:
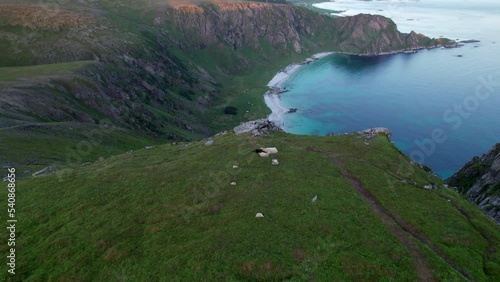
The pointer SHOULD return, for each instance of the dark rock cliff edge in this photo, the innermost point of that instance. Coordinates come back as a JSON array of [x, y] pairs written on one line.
[[479, 180]]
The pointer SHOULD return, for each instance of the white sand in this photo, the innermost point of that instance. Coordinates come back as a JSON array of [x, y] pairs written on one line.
[[283, 76], [272, 97], [273, 101]]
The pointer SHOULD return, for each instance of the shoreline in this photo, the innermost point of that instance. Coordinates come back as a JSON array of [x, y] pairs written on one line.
[[272, 97]]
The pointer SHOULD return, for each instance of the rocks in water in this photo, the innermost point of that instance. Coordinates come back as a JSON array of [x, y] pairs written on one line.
[[259, 215], [291, 111], [45, 171], [258, 127], [209, 142], [469, 41]]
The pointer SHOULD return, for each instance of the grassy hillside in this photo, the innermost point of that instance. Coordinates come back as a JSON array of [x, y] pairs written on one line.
[[170, 213], [15, 73], [64, 146]]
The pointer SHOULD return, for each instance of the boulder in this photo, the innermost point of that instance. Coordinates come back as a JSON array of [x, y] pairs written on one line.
[[369, 133], [45, 171], [258, 127]]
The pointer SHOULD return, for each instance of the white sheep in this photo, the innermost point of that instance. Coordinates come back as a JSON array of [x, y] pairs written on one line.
[[265, 152]]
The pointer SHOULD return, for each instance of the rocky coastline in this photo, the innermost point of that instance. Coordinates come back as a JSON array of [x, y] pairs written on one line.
[[276, 84]]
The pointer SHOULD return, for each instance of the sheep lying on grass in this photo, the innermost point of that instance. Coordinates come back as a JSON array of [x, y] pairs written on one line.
[[265, 152]]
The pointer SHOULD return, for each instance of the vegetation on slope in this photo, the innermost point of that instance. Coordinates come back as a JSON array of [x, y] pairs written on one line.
[[170, 213], [165, 72]]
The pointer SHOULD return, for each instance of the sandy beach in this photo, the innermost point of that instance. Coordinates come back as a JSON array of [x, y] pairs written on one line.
[[272, 97]]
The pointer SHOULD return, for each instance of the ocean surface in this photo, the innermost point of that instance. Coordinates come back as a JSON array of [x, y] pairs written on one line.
[[442, 105]]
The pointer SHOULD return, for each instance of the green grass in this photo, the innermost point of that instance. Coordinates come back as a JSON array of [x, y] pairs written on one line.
[[171, 213], [13, 73], [65, 145]]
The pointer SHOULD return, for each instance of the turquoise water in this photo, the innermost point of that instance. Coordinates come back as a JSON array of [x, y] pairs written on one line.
[[442, 105]]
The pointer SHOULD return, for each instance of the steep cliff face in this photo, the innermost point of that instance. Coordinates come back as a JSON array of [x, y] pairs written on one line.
[[290, 28], [479, 180], [370, 35], [249, 25]]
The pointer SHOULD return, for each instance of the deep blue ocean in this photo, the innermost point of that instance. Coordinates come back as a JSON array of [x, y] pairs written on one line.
[[442, 105]]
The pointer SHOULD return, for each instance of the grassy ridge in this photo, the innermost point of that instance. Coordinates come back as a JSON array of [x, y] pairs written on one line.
[[13, 73], [64, 145], [171, 212]]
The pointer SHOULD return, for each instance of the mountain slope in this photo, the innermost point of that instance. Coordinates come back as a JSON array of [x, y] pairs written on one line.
[[170, 212], [164, 72], [161, 70], [479, 180]]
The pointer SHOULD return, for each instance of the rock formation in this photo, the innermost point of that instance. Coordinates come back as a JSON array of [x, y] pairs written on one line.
[[479, 180], [257, 127]]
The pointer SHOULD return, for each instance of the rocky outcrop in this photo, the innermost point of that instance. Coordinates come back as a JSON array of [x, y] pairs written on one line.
[[258, 127], [369, 133], [291, 28], [244, 24], [479, 180], [365, 34], [46, 171]]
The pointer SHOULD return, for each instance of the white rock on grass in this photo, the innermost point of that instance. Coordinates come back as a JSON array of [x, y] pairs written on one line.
[[315, 198], [45, 171], [275, 162], [235, 166], [233, 183], [259, 215]]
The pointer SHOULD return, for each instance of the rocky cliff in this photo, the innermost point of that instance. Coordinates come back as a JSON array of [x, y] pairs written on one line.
[[479, 180], [371, 35]]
